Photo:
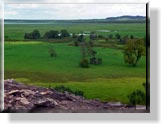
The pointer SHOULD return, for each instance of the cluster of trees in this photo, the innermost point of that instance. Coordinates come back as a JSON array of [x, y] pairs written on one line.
[[89, 55], [52, 34], [32, 35]]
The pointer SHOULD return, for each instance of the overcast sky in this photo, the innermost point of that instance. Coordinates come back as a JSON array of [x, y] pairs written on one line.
[[71, 11]]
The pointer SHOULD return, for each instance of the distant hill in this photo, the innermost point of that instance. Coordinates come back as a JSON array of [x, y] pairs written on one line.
[[126, 18], [119, 19]]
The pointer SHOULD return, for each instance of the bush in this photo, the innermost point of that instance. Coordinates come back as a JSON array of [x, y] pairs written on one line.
[[52, 34], [52, 52], [101, 37], [36, 34], [137, 97], [110, 36], [80, 38], [63, 89], [134, 50], [33, 35], [131, 37], [118, 36], [64, 33], [95, 60], [28, 36], [84, 63]]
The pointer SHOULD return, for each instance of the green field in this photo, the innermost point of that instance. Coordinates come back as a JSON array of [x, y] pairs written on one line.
[[29, 62], [17, 31]]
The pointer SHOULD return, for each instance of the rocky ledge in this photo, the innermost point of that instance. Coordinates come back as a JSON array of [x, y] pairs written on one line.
[[23, 98]]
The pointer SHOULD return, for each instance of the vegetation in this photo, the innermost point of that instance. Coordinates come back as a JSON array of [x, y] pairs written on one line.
[[33, 35], [137, 97], [113, 80], [63, 89], [17, 31], [52, 52], [52, 34], [134, 50]]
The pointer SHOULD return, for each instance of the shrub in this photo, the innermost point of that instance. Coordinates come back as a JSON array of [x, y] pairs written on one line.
[[131, 37], [36, 34], [84, 63], [52, 52], [80, 38], [101, 37], [110, 36], [28, 36], [63, 89], [134, 50], [64, 33], [95, 60], [52, 34], [118, 36], [33, 35], [137, 97]]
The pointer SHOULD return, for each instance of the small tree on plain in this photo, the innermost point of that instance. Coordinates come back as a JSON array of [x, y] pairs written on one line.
[[133, 51]]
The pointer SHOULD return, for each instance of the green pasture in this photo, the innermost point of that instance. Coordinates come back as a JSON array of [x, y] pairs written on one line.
[[17, 31], [30, 63]]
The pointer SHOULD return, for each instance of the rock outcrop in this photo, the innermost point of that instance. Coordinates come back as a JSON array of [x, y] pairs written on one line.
[[23, 98]]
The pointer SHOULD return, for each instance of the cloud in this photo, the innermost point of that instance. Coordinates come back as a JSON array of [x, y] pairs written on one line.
[[75, 1], [71, 11]]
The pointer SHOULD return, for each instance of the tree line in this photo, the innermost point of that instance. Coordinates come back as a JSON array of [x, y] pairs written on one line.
[[52, 34]]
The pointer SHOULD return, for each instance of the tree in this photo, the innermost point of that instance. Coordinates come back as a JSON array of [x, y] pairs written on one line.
[[118, 36], [52, 52], [110, 36], [137, 97], [52, 34], [64, 33], [81, 38], [101, 37], [134, 50], [84, 61], [36, 34], [131, 37]]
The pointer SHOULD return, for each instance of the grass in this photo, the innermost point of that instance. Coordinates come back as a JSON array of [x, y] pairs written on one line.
[[17, 31], [30, 62]]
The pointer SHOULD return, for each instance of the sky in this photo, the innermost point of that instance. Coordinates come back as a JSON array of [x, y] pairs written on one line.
[[71, 11]]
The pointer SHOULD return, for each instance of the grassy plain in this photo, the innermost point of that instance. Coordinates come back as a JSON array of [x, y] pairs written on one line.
[[17, 31], [29, 61]]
